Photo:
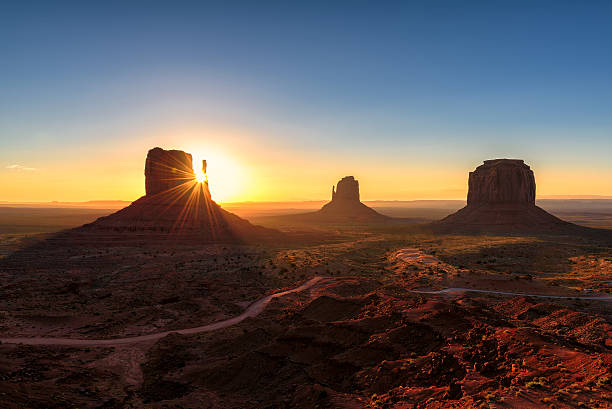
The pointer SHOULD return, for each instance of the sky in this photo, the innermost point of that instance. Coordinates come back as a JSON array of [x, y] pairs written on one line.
[[285, 98]]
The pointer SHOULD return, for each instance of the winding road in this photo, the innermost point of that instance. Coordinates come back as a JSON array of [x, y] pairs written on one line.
[[607, 298], [252, 311], [255, 309], [413, 255]]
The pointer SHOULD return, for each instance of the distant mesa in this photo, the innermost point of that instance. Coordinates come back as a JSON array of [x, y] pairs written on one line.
[[177, 205], [345, 206], [501, 196]]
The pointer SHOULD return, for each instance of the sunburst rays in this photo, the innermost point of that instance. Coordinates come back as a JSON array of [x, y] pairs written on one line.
[[189, 193]]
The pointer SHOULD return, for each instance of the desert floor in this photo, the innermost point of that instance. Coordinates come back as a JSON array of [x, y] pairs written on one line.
[[359, 337]]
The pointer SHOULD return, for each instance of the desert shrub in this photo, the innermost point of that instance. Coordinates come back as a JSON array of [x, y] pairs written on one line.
[[536, 383]]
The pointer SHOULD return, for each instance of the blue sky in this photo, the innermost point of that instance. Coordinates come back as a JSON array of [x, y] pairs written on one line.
[[440, 85]]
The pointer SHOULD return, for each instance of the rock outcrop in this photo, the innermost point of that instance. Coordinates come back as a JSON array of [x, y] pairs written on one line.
[[166, 170], [177, 205], [501, 196], [345, 206], [501, 181], [347, 190]]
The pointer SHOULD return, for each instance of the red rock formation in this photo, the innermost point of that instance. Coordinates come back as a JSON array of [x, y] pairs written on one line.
[[348, 189], [169, 172], [345, 206], [501, 181], [165, 170], [501, 196], [177, 205]]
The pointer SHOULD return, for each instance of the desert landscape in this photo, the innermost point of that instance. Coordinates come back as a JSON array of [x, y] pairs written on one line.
[[305, 204], [345, 308]]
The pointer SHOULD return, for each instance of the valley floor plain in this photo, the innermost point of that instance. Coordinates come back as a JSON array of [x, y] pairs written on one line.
[[361, 337]]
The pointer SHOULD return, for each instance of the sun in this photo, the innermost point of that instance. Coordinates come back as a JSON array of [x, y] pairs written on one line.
[[225, 174], [199, 175]]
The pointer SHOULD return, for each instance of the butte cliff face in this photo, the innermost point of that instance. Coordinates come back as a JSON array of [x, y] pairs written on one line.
[[177, 205], [501, 196], [348, 190], [169, 173], [345, 205], [165, 170], [501, 181]]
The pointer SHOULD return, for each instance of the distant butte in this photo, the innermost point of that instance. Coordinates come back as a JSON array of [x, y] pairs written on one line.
[[345, 205], [501, 196], [177, 205]]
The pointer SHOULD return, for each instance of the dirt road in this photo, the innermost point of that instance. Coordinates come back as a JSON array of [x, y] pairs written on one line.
[[252, 311], [258, 306]]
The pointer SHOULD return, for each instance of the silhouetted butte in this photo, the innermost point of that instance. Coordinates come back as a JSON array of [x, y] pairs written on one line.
[[177, 205], [501, 196], [345, 206]]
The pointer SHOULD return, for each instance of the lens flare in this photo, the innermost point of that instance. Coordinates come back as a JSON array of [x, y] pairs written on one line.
[[199, 175], [225, 175]]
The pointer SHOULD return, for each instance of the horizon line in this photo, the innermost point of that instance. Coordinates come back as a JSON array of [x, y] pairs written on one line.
[[101, 201]]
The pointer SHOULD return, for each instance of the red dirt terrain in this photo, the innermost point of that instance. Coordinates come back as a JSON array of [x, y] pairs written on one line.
[[350, 347], [361, 338]]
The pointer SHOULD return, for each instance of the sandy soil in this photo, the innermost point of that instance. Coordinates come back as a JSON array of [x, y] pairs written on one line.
[[360, 337], [252, 311]]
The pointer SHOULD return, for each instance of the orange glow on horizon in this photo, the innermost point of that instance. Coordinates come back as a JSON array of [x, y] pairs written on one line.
[[241, 170]]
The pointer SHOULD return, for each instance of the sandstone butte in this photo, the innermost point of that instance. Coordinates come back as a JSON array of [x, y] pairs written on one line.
[[501, 196], [345, 205], [176, 205]]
